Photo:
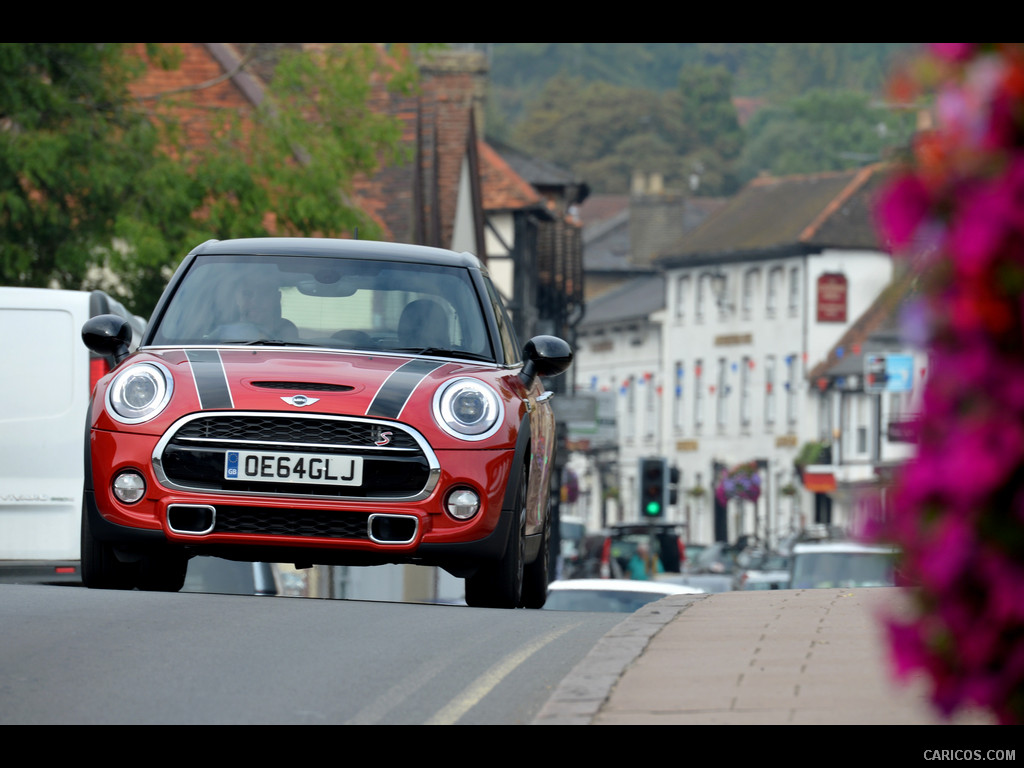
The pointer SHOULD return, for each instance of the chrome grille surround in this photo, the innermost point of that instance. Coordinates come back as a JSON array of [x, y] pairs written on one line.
[[218, 431]]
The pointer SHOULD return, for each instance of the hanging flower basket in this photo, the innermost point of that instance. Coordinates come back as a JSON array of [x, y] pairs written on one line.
[[741, 482]]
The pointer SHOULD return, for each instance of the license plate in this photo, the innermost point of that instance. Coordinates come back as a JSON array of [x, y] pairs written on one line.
[[293, 468]]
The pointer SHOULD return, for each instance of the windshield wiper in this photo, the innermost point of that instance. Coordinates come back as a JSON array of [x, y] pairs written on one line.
[[271, 343], [442, 352]]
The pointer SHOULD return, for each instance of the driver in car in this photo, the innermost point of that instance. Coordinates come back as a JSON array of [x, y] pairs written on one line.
[[258, 301]]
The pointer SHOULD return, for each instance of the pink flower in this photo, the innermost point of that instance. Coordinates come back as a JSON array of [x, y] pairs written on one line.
[[903, 210], [953, 51]]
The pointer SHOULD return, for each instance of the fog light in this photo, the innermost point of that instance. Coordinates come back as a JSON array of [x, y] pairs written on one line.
[[129, 486], [463, 503]]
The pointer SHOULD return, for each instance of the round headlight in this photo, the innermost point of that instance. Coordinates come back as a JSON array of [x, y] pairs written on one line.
[[468, 408], [139, 393]]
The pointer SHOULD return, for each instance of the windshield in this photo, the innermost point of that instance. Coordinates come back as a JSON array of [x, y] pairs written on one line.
[[598, 600], [339, 303], [842, 569]]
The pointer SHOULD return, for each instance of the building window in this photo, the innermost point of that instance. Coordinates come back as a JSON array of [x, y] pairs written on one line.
[[703, 288], [794, 291], [857, 426], [677, 400], [723, 392], [682, 298], [746, 372], [750, 280], [698, 395], [630, 425], [792, 383], [769, 391], [774, 291], [650, 406]]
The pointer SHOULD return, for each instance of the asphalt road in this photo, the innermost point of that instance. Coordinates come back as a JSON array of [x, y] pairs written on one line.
[[69, 655]]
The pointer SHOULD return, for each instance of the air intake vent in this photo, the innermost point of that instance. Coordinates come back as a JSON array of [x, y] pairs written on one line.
[[308, 386]]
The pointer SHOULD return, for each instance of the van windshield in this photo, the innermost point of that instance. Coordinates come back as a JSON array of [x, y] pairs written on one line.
[[842, 569]]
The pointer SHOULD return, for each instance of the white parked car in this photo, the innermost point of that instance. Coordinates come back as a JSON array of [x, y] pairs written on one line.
[[842, 564], [610, 595]]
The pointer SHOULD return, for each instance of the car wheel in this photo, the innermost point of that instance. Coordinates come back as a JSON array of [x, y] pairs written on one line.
[[100, 567], [163, 571], [536, 574], [500, 585]]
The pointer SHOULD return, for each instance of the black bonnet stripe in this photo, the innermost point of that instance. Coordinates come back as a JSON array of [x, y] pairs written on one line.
[[211, 381], [398, 388]]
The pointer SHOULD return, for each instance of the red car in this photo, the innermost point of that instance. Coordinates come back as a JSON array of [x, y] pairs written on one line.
[[322, 401]]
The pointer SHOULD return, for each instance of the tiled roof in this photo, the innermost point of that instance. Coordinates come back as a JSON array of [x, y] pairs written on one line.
[[636, 299], [503, 188], [770, 214]]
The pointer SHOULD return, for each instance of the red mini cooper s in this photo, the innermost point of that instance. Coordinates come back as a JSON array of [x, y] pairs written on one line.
[[318, 401]]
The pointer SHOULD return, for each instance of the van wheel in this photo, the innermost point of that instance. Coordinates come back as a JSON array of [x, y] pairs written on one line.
[[100, 567]]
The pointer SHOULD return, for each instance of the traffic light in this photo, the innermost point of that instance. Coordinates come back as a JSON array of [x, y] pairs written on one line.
[[653, 487]]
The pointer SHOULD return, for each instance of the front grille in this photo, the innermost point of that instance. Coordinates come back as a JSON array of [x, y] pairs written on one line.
[[291, 522], [191, 456]]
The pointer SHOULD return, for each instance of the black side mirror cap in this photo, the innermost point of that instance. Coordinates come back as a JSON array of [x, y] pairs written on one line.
[[545, 356], [108, 335]]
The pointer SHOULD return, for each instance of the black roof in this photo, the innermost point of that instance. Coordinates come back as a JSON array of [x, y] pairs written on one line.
[[338, 248]]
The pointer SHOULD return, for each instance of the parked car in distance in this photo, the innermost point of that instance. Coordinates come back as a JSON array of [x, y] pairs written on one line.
[[47, 379], [319, 401], [843, 564], [609, 595], [764, 570], [719, 558]]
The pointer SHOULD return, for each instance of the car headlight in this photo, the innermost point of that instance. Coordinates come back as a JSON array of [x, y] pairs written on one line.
[[139, 392], [468, 409]]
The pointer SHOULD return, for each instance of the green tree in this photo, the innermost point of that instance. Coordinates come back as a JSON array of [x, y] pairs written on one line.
[[822, 131], [92, 177], [606, 132]]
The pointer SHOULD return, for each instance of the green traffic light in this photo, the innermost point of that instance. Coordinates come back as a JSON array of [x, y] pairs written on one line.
[[653, 508]]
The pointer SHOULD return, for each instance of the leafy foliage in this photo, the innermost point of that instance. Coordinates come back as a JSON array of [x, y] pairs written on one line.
[[98, 188], [676, 101]]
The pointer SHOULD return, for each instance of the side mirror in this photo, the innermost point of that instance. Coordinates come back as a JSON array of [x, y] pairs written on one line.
[[108, 335], [545, 356]]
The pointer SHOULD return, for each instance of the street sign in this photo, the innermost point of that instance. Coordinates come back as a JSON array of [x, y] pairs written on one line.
[[888, 373]]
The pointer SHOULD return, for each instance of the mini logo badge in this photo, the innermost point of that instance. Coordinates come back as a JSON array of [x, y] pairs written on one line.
[[300, 401]]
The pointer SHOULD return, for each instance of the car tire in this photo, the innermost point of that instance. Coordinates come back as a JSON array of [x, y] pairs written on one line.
[[536, 575], [500, 585], [101, 568], [163, 571]]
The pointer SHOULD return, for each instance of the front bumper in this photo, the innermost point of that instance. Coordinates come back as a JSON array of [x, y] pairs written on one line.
[[288, 524]]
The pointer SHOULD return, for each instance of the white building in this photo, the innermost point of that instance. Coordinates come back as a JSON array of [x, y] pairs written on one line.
[[714, 375]]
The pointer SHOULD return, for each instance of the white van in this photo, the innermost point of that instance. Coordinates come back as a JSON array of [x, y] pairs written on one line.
[[46, 379]]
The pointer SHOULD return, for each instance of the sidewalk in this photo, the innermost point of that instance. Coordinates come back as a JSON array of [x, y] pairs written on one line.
[[788, 657]]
